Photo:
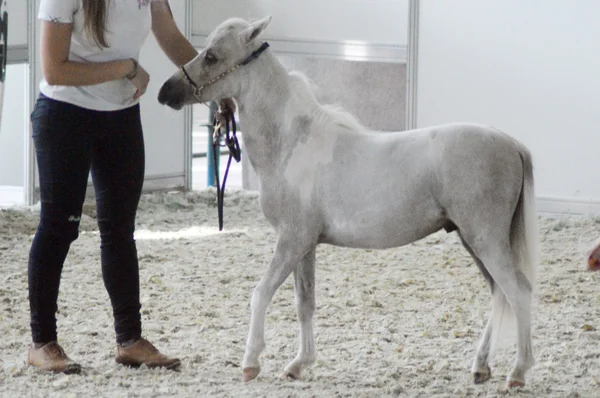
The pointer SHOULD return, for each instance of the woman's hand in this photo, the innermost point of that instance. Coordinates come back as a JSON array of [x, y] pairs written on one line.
[[140, 81], [226, 110]]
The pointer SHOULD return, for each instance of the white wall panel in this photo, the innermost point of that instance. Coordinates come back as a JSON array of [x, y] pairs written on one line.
[[378, 21], [528, 68], [164, 128], [371, 30], [14, 126], [17, 22]]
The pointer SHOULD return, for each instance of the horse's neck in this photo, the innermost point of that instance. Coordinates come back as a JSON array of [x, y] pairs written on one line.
[[262, 102]]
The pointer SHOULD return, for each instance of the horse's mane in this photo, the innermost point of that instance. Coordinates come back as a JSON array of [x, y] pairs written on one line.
[[322, 113]]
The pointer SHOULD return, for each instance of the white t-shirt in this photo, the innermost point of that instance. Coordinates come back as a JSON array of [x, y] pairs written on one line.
[[128, 25]]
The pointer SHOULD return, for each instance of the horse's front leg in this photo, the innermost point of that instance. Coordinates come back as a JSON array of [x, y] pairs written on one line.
[[289, 252], [304, 289]]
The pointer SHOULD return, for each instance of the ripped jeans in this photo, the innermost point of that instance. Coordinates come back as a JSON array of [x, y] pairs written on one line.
[[69, 142]]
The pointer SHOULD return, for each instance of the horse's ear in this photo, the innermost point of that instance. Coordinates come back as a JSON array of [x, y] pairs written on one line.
[[255, 29]]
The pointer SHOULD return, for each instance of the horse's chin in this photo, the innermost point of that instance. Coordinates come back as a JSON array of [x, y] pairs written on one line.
[[171, 103], [177, 106]]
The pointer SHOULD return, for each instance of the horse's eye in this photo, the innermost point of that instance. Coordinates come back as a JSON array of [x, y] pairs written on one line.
[[210, 58]]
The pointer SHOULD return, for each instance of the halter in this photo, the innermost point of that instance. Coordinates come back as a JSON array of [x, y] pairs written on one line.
[[231, 141], [198, 89]]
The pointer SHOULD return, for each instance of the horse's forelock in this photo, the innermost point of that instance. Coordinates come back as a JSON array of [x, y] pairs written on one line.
[[233, 24], [227, 27]]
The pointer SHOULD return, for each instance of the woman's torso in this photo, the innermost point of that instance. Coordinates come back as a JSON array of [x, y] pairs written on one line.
[[128, 25]]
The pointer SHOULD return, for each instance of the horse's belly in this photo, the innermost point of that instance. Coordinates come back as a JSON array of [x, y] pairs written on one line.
[[383, 232]]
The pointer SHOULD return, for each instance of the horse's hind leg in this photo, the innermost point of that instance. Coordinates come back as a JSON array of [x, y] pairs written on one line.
[[481, 368], [510, 280], [304, 289], [518, 293], [289, 252]]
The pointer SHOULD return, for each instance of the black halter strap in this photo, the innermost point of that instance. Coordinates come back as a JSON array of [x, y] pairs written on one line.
[[235, 152], [255, 53], [188, 78]]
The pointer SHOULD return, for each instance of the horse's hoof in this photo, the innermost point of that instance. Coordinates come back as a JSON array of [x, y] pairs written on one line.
[[481, 377], [514, 384], [250, 374], [288, 375]]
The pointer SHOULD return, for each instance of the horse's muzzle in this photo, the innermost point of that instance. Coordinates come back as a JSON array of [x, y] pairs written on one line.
[[171, 94]]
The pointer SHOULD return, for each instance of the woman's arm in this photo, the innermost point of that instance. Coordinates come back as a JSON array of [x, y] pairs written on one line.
[[179, 50], [58, 70]]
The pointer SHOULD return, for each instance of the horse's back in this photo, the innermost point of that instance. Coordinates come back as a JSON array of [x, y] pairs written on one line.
[[459, 132]]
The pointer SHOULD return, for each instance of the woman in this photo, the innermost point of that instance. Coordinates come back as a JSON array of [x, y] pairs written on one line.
[[87, 117]]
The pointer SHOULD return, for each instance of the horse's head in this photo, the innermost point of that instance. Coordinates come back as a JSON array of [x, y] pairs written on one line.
[[218, 71]]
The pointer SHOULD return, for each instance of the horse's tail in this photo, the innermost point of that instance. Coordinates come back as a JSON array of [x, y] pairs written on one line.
[[524, 234], [524, 242]]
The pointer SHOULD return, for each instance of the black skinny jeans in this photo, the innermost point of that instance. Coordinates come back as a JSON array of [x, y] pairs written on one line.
[[69, 141]]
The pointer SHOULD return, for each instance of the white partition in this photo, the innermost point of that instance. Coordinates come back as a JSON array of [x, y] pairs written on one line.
[[369, 30], [17, 18], [322, 38], [17, 29], [379, 21], [166, 132], [528, 68], [12, 130], [14, 120]]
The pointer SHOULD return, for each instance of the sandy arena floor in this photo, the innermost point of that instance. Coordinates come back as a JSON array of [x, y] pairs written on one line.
[[401, 322]]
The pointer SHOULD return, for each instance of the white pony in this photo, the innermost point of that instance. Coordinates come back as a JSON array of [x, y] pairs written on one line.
[[309, 157]]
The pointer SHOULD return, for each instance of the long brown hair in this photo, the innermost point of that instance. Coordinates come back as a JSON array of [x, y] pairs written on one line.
[[95, 12]]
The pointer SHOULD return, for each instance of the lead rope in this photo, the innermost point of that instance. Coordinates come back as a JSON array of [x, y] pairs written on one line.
[[235, 152]]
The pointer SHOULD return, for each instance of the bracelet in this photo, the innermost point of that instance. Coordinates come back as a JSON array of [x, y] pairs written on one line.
[[134, 72]]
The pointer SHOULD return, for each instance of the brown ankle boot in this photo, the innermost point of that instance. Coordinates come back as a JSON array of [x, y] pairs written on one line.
[[142, 352], [51, 358]]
